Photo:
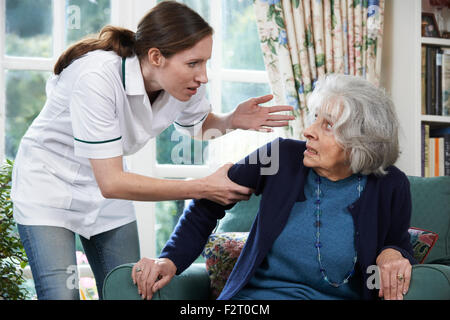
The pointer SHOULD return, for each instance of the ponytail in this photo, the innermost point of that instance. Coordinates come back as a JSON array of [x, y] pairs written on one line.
[[110, 38]]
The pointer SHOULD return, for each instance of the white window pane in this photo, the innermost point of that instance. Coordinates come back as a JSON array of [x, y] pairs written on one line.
[[234, 93], [200, 6], [28, 28], [241, 48], [174, 148], [28, 286], [85, 18], [238, 144], [167, 215], [25, 97]]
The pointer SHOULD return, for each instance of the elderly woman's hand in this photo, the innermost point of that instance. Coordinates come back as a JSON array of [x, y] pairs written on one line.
[[395, 274], [150, 275]]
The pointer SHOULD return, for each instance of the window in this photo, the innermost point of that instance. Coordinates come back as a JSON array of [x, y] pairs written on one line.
[[30, 47], [236, 73], [33, 35]]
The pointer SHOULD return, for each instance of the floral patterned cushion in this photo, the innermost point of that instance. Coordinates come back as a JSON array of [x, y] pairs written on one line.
[[422, 241], [221, 253]]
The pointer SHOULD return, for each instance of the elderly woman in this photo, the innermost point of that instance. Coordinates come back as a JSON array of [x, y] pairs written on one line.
[[335, 207]]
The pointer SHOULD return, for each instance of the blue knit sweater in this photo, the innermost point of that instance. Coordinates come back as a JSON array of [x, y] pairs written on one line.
[[291, 268], [381, 216]]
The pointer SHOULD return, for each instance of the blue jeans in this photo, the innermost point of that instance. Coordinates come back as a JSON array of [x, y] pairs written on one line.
[[52, 258]]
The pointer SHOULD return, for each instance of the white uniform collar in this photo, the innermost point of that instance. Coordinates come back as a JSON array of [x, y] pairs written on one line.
[[134, 82]]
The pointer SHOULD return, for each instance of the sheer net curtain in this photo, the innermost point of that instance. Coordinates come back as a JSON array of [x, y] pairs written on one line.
[[302, 40]]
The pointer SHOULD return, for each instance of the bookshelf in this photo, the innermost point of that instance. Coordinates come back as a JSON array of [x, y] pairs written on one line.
[[444, 120], [436, 41], [433, 155], [401, 77]]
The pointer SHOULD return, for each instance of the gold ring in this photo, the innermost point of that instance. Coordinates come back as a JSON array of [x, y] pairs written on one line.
[[138, 269], [400, 277]]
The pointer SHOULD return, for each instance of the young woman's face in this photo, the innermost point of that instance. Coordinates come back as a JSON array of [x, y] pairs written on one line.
[[183, 73]]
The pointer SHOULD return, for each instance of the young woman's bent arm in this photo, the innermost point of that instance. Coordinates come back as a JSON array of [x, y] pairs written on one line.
[[116, 184]]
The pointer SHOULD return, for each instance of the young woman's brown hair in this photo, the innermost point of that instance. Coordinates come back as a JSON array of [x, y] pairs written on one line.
[[169, 26]]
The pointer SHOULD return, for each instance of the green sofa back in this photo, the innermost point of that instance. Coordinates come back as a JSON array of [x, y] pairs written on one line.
[[430, 211]]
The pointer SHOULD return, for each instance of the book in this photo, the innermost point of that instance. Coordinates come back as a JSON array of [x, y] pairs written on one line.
[[439, 132], [438, 82], [429, 80], [447, 154], [440, 156], [422, 150], [443, 133], [431, 154], [433, 81], [426, 143], [446, 83], [423, 80]]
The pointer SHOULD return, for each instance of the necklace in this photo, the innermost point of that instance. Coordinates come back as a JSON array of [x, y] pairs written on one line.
[[318, 244]]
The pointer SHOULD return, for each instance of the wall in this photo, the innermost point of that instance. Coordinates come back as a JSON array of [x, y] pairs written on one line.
[[400, 75]]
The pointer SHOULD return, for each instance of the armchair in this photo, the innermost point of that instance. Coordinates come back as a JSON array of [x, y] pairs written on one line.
[[430, 280]]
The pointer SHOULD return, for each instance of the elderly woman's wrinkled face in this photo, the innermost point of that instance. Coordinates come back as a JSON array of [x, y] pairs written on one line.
[[323, 153]]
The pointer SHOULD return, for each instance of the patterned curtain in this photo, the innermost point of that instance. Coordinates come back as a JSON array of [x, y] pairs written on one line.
[[304, 39]]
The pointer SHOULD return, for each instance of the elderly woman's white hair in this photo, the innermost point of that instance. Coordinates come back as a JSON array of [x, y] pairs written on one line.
[[364, 120]]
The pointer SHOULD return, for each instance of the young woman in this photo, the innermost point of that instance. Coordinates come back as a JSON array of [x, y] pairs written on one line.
[[108, 96]]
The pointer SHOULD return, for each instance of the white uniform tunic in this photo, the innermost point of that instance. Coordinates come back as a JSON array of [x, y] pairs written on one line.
[[89, 114]]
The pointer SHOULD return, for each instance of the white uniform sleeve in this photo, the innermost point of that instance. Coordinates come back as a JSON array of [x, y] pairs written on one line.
[[95, 122], [191, 118]]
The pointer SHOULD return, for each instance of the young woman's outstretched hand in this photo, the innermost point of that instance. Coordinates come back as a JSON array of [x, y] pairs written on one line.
[[249, 115]]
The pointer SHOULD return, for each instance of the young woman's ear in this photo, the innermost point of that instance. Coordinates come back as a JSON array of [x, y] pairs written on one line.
[[155, 58]]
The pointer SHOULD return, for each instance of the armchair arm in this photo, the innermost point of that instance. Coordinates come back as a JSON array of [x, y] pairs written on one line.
[[429, 282], [118, 284], [192, 284]]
